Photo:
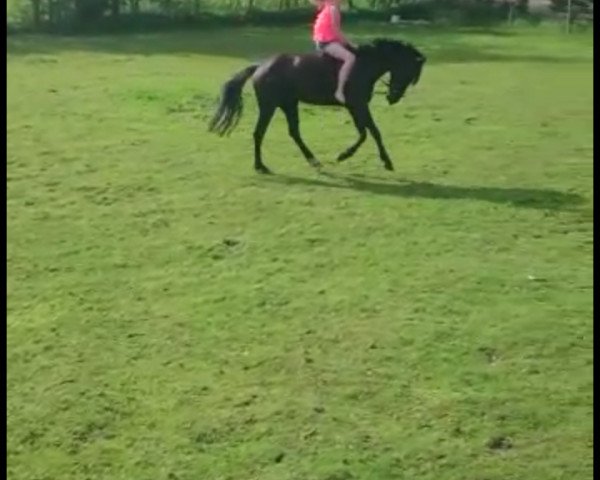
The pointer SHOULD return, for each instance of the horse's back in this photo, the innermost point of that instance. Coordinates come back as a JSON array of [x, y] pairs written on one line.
[[284, 64], [309, 77], [271, 65]]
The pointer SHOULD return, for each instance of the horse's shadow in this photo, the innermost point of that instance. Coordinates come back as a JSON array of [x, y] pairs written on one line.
[[543, 199]]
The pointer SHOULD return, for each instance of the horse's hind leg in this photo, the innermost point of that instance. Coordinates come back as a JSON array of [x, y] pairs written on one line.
[[291, 114], [265, 115]]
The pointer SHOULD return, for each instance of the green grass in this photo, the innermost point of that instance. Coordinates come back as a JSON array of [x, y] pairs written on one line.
[[172, 315]]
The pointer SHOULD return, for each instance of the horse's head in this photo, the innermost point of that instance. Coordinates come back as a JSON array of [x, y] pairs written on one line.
[[403, 61]]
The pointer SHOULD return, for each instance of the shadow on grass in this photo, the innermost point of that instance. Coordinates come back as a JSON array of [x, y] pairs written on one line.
[[543, 199], [256, 43]]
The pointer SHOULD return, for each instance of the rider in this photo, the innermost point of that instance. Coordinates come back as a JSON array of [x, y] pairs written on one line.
[[328, 37]]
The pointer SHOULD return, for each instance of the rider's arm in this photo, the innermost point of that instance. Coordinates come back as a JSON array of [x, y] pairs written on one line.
[[335, 13]]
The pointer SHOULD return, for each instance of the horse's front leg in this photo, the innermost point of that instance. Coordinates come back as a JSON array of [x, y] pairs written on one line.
[[358, 117], [383, 155]]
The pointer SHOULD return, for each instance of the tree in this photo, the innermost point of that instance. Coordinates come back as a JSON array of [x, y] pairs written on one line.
[[90, 10], [36, 6], [134, 6], [115, 8]]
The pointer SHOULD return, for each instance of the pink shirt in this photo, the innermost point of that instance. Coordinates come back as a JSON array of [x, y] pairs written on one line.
[[324, 28]]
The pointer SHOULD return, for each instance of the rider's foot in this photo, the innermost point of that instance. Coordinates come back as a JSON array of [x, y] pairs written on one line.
[[339, 96]]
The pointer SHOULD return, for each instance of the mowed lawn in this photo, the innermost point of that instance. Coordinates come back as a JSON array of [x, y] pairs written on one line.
[[174, 316]]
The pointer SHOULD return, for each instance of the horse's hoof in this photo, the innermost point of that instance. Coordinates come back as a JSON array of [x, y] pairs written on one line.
[[314, 163], [263, 170], [388, 166]]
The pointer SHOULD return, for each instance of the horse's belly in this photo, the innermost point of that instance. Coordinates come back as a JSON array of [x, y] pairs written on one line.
[[323, 101], [317, 92]]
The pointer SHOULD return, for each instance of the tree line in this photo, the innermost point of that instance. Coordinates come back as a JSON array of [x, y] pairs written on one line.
[[39, 14]]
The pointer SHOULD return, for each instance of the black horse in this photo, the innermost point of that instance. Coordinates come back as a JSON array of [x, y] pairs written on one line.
[[285, 80]]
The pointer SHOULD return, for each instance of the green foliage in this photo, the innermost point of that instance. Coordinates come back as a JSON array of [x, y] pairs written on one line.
[[578, 6], [89, 10], [90, 15]]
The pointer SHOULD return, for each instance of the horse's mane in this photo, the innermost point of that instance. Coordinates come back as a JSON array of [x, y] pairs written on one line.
[[386, 46]]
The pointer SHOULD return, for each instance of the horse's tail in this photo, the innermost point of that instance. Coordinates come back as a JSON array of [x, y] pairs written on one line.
[[231, 105]]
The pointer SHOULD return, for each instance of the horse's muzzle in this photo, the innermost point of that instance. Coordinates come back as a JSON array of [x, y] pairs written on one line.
[[393, 99], [395, 93]]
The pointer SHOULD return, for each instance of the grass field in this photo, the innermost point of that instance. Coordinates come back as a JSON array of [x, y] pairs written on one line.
[[174, 316]]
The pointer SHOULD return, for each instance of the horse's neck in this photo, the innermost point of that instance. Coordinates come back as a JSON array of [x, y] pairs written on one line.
[[373, 71]]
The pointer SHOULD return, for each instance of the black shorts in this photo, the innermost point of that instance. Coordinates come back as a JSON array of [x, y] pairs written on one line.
[[320, 46]]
